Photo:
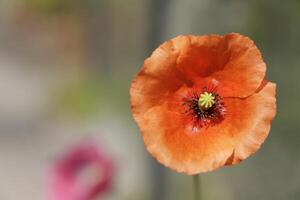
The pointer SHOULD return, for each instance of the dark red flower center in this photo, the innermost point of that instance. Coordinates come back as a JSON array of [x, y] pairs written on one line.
[[204, 108]]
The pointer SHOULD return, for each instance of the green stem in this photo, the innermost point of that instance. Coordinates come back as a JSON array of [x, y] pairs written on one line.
[[197, 187]]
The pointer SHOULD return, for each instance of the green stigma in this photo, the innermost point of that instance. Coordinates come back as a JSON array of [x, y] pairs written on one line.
[[206, 100]]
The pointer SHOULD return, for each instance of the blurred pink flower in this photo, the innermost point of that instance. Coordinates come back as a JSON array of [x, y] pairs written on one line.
[[82, 173]]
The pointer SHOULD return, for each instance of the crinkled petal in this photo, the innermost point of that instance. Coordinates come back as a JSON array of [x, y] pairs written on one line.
[[177, 145], [158, 78], [233, 60]]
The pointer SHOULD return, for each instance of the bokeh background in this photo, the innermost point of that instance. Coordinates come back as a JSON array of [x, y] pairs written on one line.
[[65, 72]]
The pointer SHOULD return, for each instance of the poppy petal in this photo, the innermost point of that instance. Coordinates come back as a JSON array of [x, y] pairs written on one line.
[[245, 69], [251, 119], [177, 145], [158, 78], [233, 60]]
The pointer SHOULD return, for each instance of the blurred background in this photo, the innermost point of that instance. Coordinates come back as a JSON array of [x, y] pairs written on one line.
[[65, 72]]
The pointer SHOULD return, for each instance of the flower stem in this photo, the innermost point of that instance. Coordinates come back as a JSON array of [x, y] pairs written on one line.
[[197, 187]]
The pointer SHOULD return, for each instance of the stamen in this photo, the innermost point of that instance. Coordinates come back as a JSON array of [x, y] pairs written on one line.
[[204, 109], [206, 101]]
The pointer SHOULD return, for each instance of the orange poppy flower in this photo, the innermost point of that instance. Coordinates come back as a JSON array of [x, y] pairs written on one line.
[[202, 102]]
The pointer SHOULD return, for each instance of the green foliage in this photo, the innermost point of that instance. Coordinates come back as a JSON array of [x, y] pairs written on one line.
[[79, 98], [52, 6]]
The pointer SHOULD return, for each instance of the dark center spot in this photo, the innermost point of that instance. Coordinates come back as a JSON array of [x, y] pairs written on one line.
[[204, 116]]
